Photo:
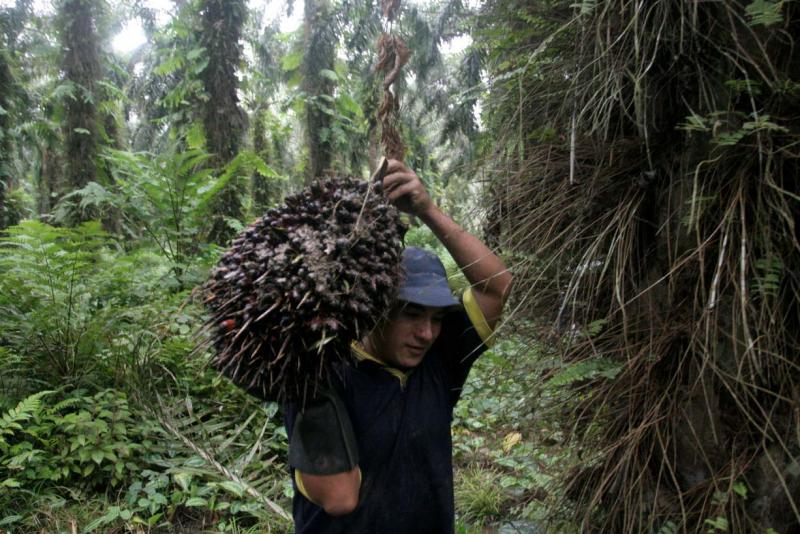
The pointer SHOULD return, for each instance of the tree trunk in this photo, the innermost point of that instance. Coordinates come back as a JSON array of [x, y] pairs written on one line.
[[320, 49], [6, 81], [47, 185], [261, 187], [81, 67], [654, 211], [224, 121]]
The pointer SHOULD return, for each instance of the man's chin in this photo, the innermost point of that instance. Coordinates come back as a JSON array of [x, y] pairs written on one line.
[[411, 360]]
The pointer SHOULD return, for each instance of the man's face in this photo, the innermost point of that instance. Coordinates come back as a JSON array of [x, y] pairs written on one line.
[[405, 338]]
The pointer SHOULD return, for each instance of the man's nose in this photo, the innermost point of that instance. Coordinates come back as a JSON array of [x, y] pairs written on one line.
[[425, 330]]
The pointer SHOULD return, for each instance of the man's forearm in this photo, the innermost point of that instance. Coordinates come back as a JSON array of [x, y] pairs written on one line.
[[483, 269]]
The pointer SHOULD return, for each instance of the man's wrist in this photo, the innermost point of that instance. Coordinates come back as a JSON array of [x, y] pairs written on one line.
[[428, 214]]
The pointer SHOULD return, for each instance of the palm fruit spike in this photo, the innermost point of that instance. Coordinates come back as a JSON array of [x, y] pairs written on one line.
[[299, 284]]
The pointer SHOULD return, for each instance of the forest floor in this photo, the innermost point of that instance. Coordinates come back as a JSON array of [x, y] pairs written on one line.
[[503, 467]]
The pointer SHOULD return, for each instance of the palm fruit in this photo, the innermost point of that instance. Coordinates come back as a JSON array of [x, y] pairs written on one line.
[[299, 284]]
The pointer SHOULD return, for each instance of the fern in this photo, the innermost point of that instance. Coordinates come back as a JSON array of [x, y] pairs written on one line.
[[26, 409], [767, 279], [48, 301]]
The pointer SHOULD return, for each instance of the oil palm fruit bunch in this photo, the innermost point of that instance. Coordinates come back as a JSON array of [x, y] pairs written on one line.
[[299, 284]]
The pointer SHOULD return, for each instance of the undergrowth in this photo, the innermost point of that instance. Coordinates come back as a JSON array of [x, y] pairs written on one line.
[[508, 453], [108, 422]]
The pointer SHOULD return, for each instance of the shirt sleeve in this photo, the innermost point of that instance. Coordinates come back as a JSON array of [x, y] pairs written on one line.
[[465, 335], [334, 431]]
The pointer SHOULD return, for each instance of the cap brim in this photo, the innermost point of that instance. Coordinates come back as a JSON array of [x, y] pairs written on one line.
[[435, 297]]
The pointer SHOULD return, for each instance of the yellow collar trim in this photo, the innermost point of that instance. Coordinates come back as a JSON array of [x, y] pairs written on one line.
[[361, 354], [477, 318]]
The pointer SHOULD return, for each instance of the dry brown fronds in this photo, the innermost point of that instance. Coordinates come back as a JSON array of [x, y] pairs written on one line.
[[649, 184]]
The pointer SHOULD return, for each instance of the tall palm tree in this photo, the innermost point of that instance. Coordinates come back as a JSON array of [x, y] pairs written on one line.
[[81, 67], [6, 83], [320, 38], [224, 122], [649, 189]]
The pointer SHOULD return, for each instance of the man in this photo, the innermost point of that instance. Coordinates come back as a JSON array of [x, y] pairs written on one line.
[[373, 453]]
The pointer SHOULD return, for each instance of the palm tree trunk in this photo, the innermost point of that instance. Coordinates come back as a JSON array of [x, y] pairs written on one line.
[[224, 121], [261, 187], [320, 48], [81, 66], [6, 81]]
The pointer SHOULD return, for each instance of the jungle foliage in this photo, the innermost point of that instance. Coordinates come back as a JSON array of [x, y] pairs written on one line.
[[121, 175], [633, 161]]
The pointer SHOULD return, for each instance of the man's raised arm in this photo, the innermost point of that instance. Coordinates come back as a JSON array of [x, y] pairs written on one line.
[[486, 273]]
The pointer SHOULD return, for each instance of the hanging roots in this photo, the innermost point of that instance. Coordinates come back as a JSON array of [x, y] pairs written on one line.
[[300, 284]]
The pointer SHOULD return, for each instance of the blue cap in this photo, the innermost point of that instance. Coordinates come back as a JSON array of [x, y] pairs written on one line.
[[425, 280]]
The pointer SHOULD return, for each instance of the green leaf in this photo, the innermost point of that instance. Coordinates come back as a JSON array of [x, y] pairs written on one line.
[[196, 137], [195, 53], [586, 370], [97, 456], [719, 523], [195, 501], [695, 123], [111, 515], [233, 487], [586, 7], [765, 12], [64, 90], [27, 408], [199, 67], [349, 106], [113, 90], [83, 131], [595, 327], [9, 519], [329, 74], [291, 61], [740, 489], [169, 66], [730, 138]]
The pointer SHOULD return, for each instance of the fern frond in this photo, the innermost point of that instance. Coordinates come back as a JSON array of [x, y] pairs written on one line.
[[26, 409]]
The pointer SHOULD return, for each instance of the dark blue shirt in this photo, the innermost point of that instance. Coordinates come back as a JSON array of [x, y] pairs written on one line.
[[402, 426]]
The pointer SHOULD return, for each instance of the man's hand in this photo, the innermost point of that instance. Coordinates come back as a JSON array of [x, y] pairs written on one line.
[[405, 190]]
